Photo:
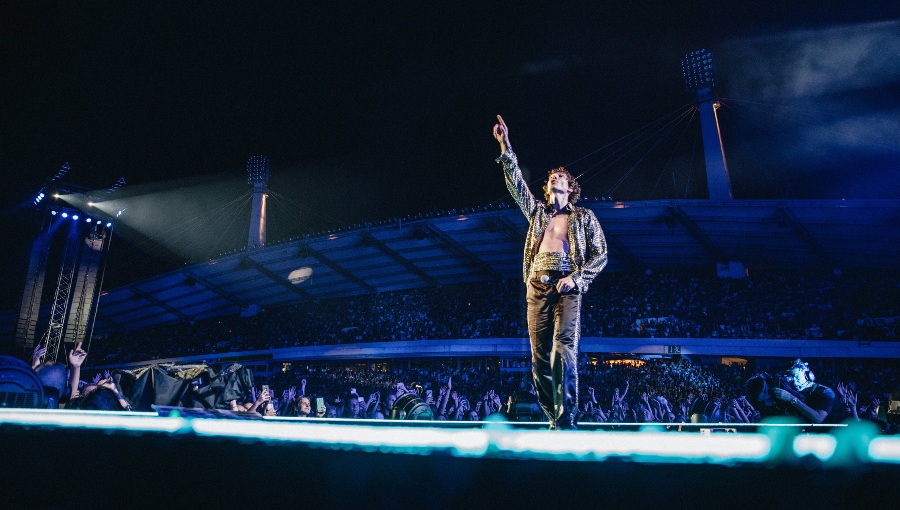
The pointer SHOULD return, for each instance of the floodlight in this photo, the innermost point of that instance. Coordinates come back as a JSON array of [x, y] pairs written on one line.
[[87, 220], [74, 216], [257, 170], [65, 215], [53, 213], [698, 70]]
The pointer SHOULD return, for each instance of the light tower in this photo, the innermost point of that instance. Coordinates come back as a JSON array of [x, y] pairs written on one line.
[[257, 176], [700, 78]]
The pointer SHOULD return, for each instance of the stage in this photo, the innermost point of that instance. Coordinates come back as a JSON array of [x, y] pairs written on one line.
[[80, 459]]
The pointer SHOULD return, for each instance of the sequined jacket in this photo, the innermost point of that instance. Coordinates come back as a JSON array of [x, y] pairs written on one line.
[[587, 244]]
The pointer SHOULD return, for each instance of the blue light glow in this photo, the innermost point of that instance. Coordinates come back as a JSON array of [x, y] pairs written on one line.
[[74, 216], [65, 215], [491, 440], [53, 213], [885, 449], [821, 446]]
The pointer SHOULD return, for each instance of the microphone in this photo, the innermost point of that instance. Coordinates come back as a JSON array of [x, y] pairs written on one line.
[[546, 279]]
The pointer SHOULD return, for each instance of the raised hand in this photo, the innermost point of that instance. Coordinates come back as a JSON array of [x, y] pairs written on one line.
[[841, 390], [501, 134], [77, 355], [38, 355], [97, 378]]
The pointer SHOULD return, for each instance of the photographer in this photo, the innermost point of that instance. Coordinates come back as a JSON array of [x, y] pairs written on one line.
[[811, 401]]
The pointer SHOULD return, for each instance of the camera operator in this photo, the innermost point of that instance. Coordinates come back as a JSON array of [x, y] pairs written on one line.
[[812, 401]]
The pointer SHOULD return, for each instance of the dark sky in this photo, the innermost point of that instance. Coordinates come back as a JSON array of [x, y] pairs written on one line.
[[373, 112]]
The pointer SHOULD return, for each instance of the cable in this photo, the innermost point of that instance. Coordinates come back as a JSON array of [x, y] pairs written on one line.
[[672, 156], [639, 161]]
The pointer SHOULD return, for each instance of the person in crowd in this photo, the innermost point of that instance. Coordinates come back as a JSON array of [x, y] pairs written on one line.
[[813, 401], [353, 408]]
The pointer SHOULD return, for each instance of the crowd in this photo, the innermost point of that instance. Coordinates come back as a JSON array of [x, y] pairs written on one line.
[[775, 305], [654, 391]]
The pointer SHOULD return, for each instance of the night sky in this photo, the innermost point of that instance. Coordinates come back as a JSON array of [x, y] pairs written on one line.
[[373, 112]]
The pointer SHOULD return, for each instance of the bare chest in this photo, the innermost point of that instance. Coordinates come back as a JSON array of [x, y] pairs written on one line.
[[556, 235]]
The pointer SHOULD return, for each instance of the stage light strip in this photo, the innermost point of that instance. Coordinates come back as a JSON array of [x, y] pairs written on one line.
[[885, 449], [821, 446], [144, 422], [417, 440], [650, 446], [494, 439]]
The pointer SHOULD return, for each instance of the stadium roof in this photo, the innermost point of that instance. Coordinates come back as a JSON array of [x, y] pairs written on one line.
[[488, 246]]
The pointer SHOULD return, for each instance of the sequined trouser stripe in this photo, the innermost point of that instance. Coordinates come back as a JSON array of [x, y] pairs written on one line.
[[554, 329]]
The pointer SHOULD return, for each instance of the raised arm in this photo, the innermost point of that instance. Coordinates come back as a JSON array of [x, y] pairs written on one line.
[[516, 185], [76, 359]]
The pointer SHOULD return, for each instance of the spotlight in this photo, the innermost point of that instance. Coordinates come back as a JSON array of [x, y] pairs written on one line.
[[91, 204], [65, 215], [56, 195], [74, 216], [53, 213], [87, 220], [109, 224]]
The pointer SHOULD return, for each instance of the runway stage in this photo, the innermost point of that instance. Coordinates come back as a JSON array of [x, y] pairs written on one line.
[[81, 459]]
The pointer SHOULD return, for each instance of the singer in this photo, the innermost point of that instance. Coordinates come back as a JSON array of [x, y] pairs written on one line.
[[564, 250]]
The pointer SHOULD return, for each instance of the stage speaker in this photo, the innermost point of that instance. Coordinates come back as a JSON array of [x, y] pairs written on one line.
[[411, 407], [19, 385]]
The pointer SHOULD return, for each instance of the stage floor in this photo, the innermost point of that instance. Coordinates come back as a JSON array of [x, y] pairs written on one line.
[[176, 460]]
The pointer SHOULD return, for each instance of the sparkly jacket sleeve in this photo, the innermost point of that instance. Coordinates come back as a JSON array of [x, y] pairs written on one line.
[[516, 185]]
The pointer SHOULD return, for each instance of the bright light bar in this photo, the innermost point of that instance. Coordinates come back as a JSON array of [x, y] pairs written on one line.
[[654, 446], [465, 442], [93, 419], [821, 446], [885, 449]]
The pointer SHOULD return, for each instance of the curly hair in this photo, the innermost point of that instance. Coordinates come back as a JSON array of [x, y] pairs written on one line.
[[576, 188]]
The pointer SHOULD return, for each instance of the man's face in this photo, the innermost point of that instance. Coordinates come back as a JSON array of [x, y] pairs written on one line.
[[800, 379], [304, 407], [559, 183], [353, 404]]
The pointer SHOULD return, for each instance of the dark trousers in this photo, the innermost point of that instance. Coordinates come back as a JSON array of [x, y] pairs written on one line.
[[554, 322]]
